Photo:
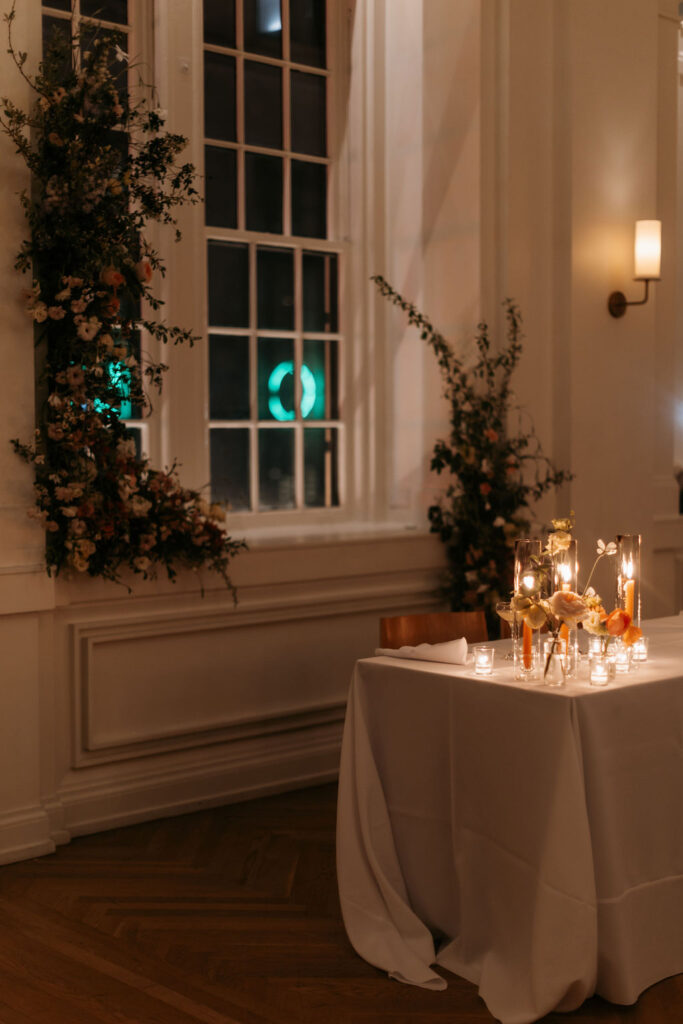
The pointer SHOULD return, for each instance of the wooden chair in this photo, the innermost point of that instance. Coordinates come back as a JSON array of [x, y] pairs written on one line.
[[432, 628]]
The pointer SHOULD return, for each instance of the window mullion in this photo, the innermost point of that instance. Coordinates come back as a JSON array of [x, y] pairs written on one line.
[[253, 381], [298, 363]]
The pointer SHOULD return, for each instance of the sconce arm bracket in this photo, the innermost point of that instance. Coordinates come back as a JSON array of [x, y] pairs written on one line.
[[617, 301]]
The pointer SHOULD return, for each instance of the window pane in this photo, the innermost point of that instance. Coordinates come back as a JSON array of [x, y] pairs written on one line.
[[230, 467], [228, 285], [320, 291], [135, 434], [219, 22], [319, 380], [263, 27], [275, 379], [264, 192], [309, 199], [59, 5], [220, 169], [106, 10], [262, 104], [321, 467], [117, 68], [275, 280], [309, 113], [276, 468], [55, 32], [219, 97], [307, 32], [228, 378]]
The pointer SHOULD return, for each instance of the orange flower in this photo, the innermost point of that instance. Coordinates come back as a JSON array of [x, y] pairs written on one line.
[[112, 277], [617, 622], [112, 306], [485, 488], [631, 634], [491, 435]]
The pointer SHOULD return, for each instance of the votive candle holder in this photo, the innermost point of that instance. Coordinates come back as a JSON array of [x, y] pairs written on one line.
[[599, 674], [483, 660], [622, 657], [640, 647]]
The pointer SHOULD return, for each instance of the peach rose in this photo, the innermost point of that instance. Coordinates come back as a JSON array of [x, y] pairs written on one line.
[[143, 271], [631, 634], [112, 277], [568, 606], [617, 622]]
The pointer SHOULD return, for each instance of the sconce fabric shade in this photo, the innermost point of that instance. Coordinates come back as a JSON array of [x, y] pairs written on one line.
[[648, 250]]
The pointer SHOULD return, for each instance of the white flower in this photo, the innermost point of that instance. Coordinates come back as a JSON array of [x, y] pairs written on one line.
[[120, 54], [88, 329], [139, 506], [499, 522], [607, 549]]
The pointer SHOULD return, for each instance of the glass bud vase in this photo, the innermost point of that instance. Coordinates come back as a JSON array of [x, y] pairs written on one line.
[[527, 657]]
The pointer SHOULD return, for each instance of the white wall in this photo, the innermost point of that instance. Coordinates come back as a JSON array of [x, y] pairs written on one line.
[[583, 123]]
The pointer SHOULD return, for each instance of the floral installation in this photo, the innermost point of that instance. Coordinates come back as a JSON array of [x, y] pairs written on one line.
[[496, 471], [566, 608], [102, 168]]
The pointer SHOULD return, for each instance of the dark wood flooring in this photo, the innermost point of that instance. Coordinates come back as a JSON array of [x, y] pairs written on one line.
[[227, 916]]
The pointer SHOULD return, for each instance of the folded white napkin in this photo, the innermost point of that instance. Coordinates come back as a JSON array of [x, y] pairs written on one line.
[[453, 652]]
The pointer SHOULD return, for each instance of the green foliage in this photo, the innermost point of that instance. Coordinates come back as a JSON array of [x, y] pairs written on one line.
[[495, 472], [102, 168]]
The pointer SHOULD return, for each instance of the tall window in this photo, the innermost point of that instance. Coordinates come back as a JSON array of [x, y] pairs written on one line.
[[273, 271]]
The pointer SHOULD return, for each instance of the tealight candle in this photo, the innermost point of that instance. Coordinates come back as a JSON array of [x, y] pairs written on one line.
[[599, 670], [594, 644], [483, 661], [640, 649]]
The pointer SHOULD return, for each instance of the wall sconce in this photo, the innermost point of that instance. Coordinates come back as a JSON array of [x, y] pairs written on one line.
[[647, 261]]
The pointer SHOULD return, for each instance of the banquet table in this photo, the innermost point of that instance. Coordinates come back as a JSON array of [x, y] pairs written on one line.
[[526, 838]]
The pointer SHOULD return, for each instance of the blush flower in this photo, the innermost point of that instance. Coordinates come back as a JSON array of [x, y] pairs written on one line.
[[143, 271], [568, 606]]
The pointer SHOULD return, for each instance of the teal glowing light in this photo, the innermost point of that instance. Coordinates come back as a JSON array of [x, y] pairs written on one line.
[[309, 391], [119, 375]]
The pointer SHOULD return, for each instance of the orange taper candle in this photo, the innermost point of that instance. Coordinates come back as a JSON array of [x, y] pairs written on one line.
[[527, 633], [629, 597]]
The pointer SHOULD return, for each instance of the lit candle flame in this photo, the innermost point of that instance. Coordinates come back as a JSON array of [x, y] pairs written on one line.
[[627, 569], [565, 573], [528, 582]]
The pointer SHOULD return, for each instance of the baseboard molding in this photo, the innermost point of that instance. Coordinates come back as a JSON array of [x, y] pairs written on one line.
[[242, 771], [25, 834]]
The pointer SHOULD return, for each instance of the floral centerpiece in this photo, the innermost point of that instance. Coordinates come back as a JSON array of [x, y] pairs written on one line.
[[102, 168], [495, 471], [537, 605]]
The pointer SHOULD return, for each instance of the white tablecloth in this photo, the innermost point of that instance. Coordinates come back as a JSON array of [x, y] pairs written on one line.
[[526, 838]]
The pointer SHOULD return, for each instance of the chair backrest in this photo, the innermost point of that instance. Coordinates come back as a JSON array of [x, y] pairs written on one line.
[[432, 628]]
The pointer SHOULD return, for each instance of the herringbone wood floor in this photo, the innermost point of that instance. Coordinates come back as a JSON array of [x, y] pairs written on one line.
[[227, 916]]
